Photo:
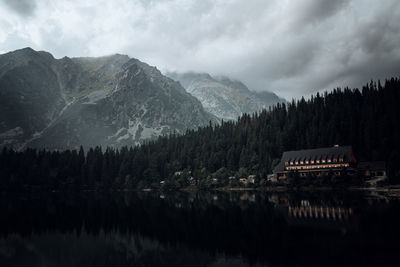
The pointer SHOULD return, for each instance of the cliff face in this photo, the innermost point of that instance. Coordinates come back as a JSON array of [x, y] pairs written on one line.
[[68, 102], [223, 97]]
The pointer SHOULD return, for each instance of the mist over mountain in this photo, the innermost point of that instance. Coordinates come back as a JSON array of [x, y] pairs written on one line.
[[110, 101], [223, 97]]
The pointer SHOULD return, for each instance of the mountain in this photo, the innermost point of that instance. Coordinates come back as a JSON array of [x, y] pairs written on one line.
[[223, 97], [110, 101], [367, 119]]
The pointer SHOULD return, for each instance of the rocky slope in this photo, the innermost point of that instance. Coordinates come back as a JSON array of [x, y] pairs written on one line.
[[223, 97], [113, 100]]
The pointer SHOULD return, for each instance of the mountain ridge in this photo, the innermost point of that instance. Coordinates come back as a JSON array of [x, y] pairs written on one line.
[[113, 100], [224, 97]]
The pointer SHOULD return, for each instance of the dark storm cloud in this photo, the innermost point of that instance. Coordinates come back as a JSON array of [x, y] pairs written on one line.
[[311, 11], [346, 45], [293, 48], [373, 51], [21, 7], [381, 35]]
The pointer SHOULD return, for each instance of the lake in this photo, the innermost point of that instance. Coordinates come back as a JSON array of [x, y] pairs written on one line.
[[199, 229]]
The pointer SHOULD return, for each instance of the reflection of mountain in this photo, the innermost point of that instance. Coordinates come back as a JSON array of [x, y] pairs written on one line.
[[105, 249], [253, 225]]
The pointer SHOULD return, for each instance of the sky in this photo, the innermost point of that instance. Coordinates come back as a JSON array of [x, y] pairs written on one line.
[[293, 48]]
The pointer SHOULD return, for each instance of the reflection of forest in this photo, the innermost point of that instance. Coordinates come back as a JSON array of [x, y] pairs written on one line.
[[237, 224], [104, 249]]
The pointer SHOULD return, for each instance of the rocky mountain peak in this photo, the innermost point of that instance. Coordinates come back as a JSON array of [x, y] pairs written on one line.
[[111, 101], [222, 96]]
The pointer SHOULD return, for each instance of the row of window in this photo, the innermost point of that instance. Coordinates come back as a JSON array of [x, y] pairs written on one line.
[[317, 166], [301, 162], [304, 174]]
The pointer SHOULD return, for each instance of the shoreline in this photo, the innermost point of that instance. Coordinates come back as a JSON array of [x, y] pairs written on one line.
[[391, 190]]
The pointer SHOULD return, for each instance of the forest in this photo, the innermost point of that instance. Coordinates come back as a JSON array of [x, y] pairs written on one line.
[[367, 119]]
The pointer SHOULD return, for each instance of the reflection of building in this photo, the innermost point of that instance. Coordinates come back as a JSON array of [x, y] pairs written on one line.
[[322, 216], [279, 200], [336, 160], [247, 196], [305, 210], [315, 214]]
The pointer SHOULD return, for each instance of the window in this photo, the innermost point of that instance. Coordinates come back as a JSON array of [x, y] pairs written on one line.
[[286, 163], [297, 163], [335, 160], [301, 162], [317, 161], [307, 162], [312, 162], [291, 163], [323, 161], [329, 160]]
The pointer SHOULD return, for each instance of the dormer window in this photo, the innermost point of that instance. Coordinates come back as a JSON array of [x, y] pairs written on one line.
[[329, 160], [312, 162], [297, 163], [340, 159], [323, 161], [307, 162], [301, 162], [291, 163], [286, 163], [317, 161], [335, 160]]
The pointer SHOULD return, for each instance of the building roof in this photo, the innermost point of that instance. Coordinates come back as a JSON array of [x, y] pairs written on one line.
[[344, 152]]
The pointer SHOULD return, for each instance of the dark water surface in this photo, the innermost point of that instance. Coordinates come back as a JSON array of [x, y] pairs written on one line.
[[199, 229]]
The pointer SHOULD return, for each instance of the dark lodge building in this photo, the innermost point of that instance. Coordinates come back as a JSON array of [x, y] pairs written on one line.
[[337, 160]]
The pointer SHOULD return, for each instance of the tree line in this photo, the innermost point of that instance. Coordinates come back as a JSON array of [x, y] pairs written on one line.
[[366, 118]]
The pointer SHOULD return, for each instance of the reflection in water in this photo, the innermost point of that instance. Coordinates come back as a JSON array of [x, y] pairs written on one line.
[[198, 229], [315, 214], [320, 212], [103, 249]]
